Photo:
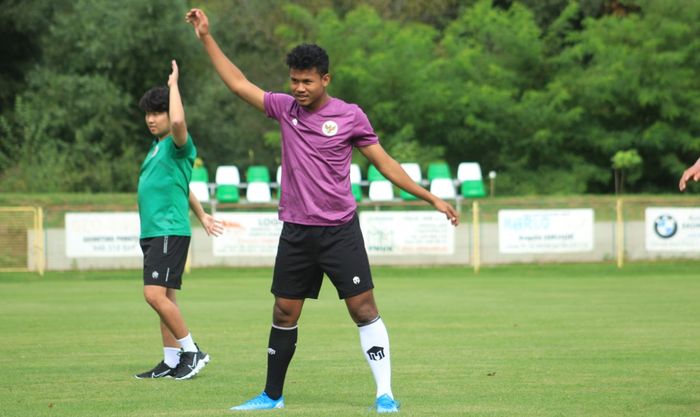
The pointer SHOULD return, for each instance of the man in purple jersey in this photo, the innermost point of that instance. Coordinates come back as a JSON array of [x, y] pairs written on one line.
[[321, 232]]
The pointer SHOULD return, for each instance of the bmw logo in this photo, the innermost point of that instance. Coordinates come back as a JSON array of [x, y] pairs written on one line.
[[665, 226]]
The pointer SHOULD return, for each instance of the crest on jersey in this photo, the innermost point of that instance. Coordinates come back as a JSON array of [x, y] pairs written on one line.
[[330, 128]]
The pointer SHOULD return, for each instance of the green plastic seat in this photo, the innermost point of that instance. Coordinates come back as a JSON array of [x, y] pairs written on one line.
[[356, 191], [373, 174], [200, 174], [227, 193], [473, 189], [257, 173], [438, 170]]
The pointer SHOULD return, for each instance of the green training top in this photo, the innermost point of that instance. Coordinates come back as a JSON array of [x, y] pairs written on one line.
[[164, 189]]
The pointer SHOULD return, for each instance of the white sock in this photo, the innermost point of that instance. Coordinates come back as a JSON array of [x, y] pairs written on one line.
[[171, 356], [375, 344], [187, 343]]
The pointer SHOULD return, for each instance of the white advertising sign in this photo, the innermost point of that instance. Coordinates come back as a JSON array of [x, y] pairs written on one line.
[[545, 231], [672, 229], [97, 235], [407, 233], [248, 234]]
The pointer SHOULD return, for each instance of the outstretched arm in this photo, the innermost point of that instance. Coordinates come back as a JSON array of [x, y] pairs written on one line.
[[229, 73], [212, 226], [176, 112], [692, 173], [393, 172]]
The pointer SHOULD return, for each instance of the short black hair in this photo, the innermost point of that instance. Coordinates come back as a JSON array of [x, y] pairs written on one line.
[[155, 100], [307, 56]]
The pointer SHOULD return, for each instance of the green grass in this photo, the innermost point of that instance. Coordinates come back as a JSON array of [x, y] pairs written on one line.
[[527, 340]]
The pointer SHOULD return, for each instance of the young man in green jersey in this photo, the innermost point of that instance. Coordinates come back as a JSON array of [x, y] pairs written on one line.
[[164, 197]]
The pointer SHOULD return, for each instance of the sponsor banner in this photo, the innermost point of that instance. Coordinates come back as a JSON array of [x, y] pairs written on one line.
[[248, 234], [102, 235], [672, 229], [407, 233], [545, 231]]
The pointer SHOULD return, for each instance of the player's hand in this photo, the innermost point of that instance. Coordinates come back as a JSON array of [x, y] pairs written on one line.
[[692, 173], [199, 22], [449, 211], [174, 75], [213, 227]]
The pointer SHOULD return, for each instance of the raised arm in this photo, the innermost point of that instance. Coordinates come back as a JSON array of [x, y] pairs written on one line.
[[212, 226], [393, 172], [176, 112], [229, 73]]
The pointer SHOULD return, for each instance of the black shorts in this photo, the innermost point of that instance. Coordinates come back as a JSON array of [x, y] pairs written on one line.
[[305, 253], [164, 260]]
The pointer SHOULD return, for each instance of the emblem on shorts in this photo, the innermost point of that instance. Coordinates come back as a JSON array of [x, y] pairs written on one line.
[[154, 275], [355, 280], [330, 128], [271, 351], [376, 353]]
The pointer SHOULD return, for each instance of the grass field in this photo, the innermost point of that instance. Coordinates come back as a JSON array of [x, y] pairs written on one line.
[[527, 340]]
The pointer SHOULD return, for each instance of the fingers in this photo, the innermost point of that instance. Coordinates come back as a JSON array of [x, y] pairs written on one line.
[[191, 15]]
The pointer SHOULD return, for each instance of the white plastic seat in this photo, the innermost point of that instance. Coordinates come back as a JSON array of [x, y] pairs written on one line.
[[258, 192], [469, 171], [355, 174], [413, 171], [443, 188], [228, 175], [200, 189], [381, 191]]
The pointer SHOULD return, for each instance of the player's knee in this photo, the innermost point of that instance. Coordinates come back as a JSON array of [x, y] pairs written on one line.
[[154, 299], [285, 316]]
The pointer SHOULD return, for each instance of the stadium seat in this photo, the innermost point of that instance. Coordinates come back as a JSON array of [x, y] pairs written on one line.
[[228, 179], [200, 189], [258, 192], [439, 170], [200, 174], [413, 171], [257, 173], [356, 181], [380, 189], [443, 188], [471, 180], [279, 181]]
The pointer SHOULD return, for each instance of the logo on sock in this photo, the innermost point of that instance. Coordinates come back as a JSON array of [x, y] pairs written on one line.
[[154, 275], [271, 351], [376, 353]]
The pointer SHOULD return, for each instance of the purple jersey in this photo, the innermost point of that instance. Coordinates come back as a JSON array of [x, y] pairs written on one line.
[[316, 156]]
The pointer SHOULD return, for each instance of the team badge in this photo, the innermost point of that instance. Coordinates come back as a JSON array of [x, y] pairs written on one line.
[[155, 151], [330, 128]]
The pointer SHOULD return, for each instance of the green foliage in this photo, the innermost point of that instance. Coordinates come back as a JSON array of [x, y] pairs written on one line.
[[544, 92]]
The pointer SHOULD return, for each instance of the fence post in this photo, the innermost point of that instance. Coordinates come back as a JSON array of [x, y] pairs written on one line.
[[476, 254], [40, 252], [619, 234]]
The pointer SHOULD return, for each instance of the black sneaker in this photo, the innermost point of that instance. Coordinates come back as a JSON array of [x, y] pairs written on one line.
[[160, 371], [190, 364]]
